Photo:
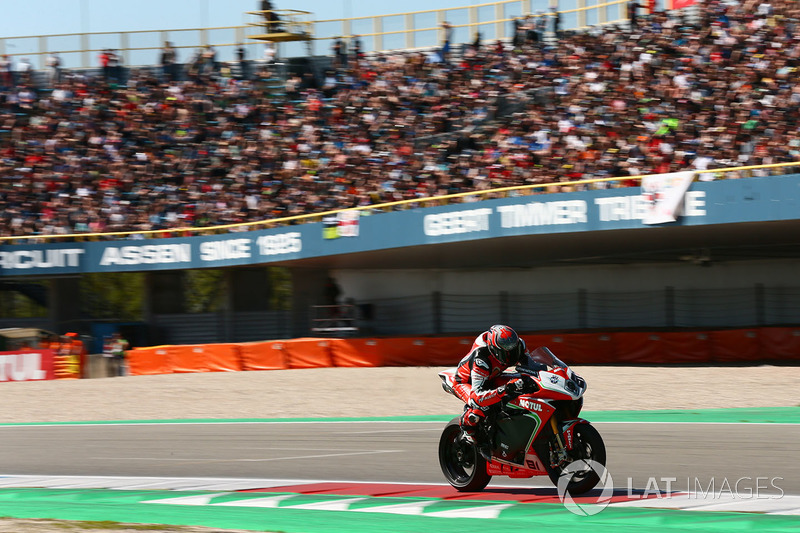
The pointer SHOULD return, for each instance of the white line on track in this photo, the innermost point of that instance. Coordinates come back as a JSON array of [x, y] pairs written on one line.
[[372, 432], [8, 480], [219, 460]]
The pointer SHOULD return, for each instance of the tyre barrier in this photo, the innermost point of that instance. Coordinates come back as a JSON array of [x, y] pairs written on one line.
[[664, 348]]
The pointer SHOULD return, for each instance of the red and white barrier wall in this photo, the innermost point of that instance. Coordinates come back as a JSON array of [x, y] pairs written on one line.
[[696, 347], [27, 365]]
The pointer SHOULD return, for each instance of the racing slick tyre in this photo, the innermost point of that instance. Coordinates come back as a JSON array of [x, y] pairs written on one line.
[[461, 463], [588, 446]]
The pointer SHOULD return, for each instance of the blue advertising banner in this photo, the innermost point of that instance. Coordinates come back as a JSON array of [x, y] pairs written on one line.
[[721, 202]]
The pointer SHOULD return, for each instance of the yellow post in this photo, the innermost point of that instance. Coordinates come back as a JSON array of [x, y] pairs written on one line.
[[499, 26], [377, 29], [410, 34]]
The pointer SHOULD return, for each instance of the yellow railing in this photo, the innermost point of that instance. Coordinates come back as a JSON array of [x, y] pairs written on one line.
[[492, 26], [282, 25], [409, 30], [521, 190]]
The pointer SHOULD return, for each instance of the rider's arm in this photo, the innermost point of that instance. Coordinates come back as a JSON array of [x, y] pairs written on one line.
[[482, 393]]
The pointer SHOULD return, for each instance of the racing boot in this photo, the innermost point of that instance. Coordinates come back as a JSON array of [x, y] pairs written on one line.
[[471, 433]]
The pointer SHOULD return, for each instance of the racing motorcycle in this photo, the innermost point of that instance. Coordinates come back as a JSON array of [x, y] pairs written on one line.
[[537, 433]]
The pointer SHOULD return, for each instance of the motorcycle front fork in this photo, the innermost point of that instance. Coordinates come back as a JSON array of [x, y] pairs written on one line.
[[558, 451]]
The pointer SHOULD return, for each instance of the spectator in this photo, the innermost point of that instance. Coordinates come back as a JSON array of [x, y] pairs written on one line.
[[209, 60], [332, 292], [269, 53], [108, 357], [169, 60], [105, 59], [53, 64], [25, 70], [241, 55], [355, 45], [272, 19], [531, 35], [447, 37], [540, 26], [6, 71], [339, 53], [196, 64], [517, 31], [118, 347], [114, 353], [633, 13], [86, 157], [476, 41], [114, 66], [556, 15]]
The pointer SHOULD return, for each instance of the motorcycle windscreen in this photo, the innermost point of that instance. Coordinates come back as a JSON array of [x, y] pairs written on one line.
[[541, 359]]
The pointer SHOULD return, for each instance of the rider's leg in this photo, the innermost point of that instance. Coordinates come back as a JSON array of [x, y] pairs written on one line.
[[472, 417], [471, 421]]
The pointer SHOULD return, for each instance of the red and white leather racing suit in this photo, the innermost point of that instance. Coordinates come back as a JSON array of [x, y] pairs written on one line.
[[476, 380]]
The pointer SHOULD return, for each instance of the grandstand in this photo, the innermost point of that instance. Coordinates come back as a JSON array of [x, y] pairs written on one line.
[[88, 157]]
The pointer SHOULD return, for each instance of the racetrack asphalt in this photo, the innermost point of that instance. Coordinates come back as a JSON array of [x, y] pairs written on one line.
[[693, 454]]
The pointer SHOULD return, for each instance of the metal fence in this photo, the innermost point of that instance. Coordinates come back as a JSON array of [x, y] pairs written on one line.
[[667, 308], [437, 313]]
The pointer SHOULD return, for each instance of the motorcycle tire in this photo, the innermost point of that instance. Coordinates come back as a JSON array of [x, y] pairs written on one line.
[[462, 465], [588, 446]]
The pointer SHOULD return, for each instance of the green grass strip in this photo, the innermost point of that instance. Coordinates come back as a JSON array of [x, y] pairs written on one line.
[[760, 415], [125, 506], [747, 415]]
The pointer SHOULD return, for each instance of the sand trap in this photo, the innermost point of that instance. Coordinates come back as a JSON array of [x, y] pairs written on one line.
[[373, 392]]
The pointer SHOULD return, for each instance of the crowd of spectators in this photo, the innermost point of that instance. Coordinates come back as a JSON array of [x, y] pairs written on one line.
[[92, 154]]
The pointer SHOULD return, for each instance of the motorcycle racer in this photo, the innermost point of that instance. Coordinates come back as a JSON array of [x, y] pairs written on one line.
[[491, 354]]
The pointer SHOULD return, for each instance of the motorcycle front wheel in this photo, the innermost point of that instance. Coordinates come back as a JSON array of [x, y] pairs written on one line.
[[588, 446], [462, 465]]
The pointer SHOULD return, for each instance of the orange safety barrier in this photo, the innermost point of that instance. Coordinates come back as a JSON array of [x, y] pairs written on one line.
[[637, 347], [735, 345], [186, 358], [447, 351], [204, 358], [661, 348], [780, 343], [685, 346], [405, 351], [149, 361], [309, 353], [574, 348], [223, 357], [262, 355], [356, 352]]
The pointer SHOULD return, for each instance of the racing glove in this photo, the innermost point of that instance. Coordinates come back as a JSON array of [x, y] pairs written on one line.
[[512, 389], [519, 386]]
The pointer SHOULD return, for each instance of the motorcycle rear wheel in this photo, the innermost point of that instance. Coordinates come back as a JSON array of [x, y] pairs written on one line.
[[462, 465], [588, 446]]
